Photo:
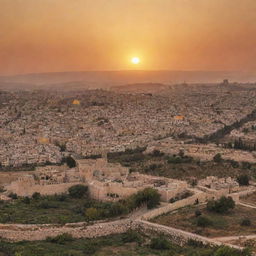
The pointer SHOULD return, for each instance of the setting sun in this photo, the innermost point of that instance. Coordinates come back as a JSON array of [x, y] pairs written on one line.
[[135, 60]]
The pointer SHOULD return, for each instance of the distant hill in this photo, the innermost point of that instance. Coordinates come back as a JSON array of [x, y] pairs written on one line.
[[140, 88], [107, 79]]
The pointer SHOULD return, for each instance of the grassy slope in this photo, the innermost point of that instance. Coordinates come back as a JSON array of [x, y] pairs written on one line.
[[222, 224], [107, 246], [159, 166], [47, 210]]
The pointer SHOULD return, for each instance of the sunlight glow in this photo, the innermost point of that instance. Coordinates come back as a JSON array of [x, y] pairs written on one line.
[[135, 60]]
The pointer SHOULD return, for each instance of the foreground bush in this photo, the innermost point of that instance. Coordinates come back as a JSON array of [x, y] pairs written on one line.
[[160, 243], [78, 191], [223, 205], [13, 196], [227, 251], [203, 222], [36, 196], [71, 163], [92, 214], [243, 180], [148, 196], [132, 236], [246, 222], [217, 158], [60, 239]]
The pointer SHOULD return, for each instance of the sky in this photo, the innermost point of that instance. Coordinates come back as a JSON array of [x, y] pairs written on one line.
[[76, 35]]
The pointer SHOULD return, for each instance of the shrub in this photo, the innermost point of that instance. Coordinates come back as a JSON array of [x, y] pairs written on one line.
[[179, 159], [61, 197], [132, 236], [159, 243], [195, 243], [193, 182], [203, 222], [246, 222], [92, 214], [181, 153], [246, 165], [223, 205], [174, 160], [228, 251], [157, 153], [181, 196], [13, 196], [78, 191], [90, 248], [217, 158], [196, 201], [234, 163], [243, 180], [36, 195], [2, 189], [150, 196], [198, 213], [46, 205], [26, 200], [117, 209], [71, 163], [60, 239]]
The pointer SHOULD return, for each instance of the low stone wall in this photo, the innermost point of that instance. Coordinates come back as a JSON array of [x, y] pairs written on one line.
[[246, 193], [200, 196], [15, 232], [178, 236]]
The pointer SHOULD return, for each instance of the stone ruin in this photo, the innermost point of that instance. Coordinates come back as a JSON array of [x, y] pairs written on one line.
[[218, 186], [106, 181], [45, 180], [112, 181]]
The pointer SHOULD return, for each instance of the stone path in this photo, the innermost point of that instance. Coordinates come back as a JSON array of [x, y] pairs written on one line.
[[232, 238], [247, 205]]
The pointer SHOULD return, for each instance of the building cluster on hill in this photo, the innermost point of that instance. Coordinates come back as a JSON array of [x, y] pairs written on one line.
[[37, 126]]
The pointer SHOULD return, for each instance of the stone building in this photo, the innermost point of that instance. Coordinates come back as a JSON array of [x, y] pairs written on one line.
[[108, 181]]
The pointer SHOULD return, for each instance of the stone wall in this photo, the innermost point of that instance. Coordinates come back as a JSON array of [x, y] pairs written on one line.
[[8, 177], [25, 189], [16, 232], [177, 236], [246, 193], [200, 196]]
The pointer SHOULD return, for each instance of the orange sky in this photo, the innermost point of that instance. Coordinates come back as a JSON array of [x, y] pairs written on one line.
[[69, 35]]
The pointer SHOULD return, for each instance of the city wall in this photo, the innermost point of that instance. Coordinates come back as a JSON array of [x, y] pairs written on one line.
[[24, 189]]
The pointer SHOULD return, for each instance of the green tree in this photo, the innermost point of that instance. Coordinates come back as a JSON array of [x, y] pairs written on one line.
[[150, 196], [217, 158], [203, 221], [243, 180], [71, 163], [227, 251], [36, 195], [60, 239], [92, 214], [223, 205], [132, 236], [78, 191], [160, 243]]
